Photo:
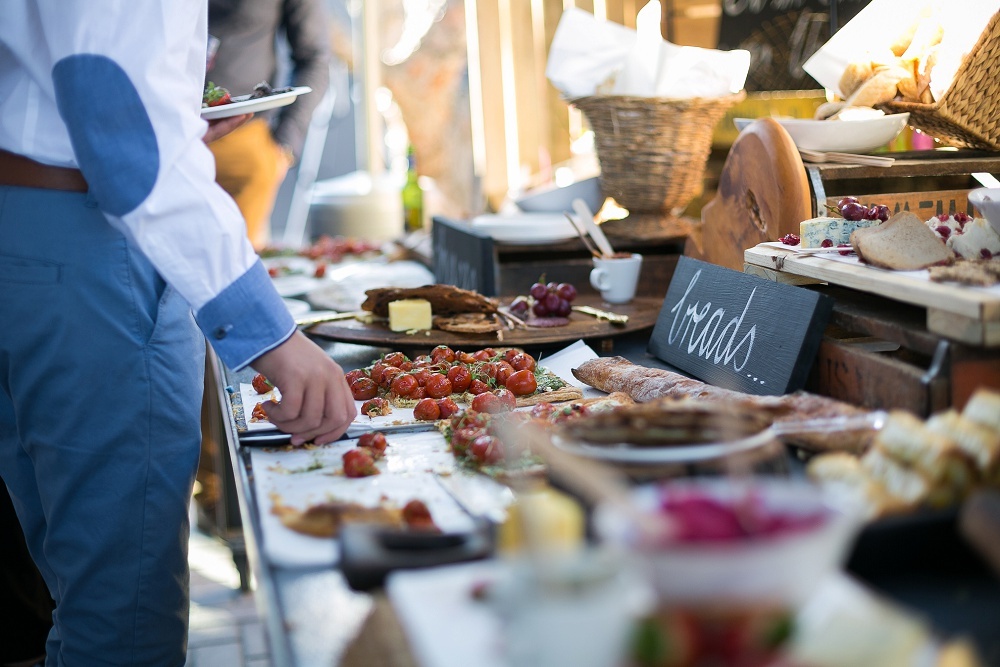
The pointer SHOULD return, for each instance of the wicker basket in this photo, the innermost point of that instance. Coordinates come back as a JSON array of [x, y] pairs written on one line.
[[968, 114], [653, 151]]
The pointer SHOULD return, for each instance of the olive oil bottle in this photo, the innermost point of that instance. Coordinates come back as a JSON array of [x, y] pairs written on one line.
[[413, 196]]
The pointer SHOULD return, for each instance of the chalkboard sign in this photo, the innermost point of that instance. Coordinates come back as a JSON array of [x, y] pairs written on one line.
[[738, 331], [463, 257], [781, 35]]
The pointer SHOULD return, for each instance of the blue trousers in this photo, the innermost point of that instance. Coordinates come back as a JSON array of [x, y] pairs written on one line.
[[100, 391]]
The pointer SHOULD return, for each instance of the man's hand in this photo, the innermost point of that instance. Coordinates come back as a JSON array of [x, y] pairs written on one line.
[[316, 403], [220, 127]]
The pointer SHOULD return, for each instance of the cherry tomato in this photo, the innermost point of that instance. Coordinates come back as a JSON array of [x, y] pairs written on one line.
[[364, 388], [510, 353], [406, 366], [486, 449], [542, 410], [477, 387], [376, 371], [376, 407], [418, 393], [442, 353], [438, 386], [488, 402], [507, 398], [503, 371], [522, 383], [403, 384], [422, 361], [461, 378], [359, 463], [485, 354], [388, 374], [448, 407], [523, 361], [463, 437], [261, 384], [320, 270], [417, 516], [374, 442], [426, 410], [395, 358], [422, 375], [465, 357], [351, 376]]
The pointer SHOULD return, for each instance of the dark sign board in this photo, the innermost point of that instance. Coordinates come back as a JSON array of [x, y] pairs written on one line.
[[463, 257], [781, 35], [738, 331]]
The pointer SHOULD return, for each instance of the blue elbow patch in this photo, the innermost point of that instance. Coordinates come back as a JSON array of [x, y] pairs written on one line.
[[110, 130]]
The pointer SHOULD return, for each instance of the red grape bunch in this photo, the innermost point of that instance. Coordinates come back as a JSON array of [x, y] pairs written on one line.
[[546, 300], [851, 209]]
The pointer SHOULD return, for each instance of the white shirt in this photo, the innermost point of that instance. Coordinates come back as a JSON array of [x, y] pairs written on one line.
[[187, 226]]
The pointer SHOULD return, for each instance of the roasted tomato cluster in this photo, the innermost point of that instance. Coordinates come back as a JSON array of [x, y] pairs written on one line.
[[492, 379]]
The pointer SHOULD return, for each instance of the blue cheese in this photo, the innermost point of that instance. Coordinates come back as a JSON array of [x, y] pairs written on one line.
[[814, 231]]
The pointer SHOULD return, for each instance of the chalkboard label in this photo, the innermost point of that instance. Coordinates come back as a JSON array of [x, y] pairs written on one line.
[[463, 257], [738, 331], [781, 35]]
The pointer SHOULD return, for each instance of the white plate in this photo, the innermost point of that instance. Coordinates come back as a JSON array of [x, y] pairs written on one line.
[[242, 104], [843, 136], [651, 455], [526, 228]]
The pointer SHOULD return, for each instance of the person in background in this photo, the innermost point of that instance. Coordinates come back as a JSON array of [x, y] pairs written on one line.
[[119, 255], [251, 163]]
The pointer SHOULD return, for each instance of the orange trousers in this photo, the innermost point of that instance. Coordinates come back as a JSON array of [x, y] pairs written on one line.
[[250, 166]]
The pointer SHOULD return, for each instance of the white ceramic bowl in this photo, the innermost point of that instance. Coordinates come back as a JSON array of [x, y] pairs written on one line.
[[526, 228], [841, 136], [786, 566], [559, 199], [987, 202]]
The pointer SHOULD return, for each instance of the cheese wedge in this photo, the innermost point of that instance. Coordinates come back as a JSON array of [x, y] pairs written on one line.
[[814, 231], [410, 314]]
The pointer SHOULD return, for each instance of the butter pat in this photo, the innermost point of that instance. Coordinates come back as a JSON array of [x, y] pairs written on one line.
[[550, 519], [814, 231], [408, 314]]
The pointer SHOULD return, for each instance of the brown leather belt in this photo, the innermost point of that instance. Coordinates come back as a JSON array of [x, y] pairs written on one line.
[[24, 172]]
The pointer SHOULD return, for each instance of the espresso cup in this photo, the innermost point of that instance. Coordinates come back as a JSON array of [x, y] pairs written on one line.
[[616, 277]]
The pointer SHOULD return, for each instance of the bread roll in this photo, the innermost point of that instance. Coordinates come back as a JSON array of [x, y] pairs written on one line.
[[828, 109], [854, 75], [881, 87]]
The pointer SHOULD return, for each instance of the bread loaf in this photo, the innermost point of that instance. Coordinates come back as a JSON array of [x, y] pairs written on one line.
[[902, 243], [645, 384]]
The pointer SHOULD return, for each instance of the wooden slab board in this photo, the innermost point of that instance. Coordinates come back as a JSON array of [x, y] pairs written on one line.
[[967, 314], [642, 313]]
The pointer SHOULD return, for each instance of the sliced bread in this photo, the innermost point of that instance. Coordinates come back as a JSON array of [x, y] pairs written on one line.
[[903, 243]]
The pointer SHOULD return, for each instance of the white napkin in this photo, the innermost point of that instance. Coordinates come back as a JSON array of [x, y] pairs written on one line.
[[589, 56]]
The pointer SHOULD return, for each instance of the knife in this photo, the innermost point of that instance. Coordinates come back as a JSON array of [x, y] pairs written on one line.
[[317, 318], [612, 318]]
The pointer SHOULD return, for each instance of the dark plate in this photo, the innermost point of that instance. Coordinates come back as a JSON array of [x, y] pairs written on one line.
[[642, 313]]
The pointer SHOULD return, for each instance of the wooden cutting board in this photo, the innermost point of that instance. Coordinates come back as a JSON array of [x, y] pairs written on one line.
[[642, 313], [763, 194]]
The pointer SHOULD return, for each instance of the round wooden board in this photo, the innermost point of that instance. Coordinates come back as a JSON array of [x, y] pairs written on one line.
[[642, 313]]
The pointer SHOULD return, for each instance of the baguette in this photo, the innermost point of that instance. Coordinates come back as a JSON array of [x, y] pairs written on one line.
[[645, 384]]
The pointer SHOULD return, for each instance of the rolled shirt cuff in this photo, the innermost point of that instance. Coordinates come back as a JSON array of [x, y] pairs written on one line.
[[246, 319]]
